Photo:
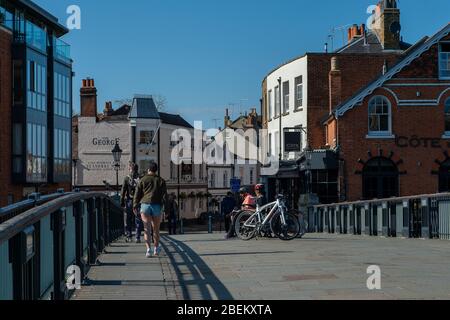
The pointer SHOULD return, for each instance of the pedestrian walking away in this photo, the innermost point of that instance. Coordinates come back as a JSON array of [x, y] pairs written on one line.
[[132, 221], [150, 200]]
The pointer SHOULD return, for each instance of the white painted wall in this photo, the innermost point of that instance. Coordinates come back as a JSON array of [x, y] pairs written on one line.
[[95, 159], [288, 72]]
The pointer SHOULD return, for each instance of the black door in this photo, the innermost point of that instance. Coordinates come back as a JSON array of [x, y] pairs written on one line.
[[415, 225], [374, 223], [358, 221], [380, 179]]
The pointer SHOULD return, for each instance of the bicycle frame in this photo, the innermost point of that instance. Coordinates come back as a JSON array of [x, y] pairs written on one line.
[[276, 205]]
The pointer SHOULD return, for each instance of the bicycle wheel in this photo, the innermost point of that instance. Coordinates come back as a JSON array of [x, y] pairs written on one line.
[[288, 231], [245, 225]]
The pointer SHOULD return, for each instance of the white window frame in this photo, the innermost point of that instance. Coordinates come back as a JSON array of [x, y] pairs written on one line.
[[299, 94], [440, 60], [277, 101], [286, 104], [270, 96], [380, 134]]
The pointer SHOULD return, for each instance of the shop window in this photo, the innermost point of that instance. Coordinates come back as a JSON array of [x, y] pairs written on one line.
[[444, 177], [380, 179], [380, 122]]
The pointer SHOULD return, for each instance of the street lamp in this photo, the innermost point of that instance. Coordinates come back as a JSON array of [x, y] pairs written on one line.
[[117, 154]]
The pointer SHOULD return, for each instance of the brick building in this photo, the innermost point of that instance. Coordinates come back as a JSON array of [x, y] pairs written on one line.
[[297, 95], [35, 102], [393, 137], [144, 134]]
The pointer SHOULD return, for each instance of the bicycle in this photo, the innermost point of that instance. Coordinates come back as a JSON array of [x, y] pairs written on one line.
[[282, 223]]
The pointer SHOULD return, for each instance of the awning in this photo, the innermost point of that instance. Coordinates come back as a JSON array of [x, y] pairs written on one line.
[[318, 160]]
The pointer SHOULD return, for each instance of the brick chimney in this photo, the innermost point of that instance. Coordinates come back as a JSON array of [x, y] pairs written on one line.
[[88, 98], [108, 109], [335, 84], [356, 32], [386, 24]]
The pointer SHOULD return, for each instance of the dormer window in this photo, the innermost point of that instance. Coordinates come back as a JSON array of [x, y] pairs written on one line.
[[444, 60], [380, 121]]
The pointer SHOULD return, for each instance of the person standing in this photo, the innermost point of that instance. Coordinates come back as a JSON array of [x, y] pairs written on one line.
[[261, 199], [126, 198], [248, 204], [151, 196], [172, 214], [227, 206]]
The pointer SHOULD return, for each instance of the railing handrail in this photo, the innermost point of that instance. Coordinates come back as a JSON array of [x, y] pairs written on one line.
[[28, 204], [15, 225], [377, 201]]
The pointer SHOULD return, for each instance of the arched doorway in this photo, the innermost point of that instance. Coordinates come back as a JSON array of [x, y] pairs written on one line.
[[380, 179], [444, 176]]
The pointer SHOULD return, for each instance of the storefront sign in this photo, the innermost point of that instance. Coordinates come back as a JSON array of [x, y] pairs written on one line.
[[420, 142], [102, 166], [105, 141], [293, 141]]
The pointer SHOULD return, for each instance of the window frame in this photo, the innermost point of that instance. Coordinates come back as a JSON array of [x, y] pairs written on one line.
[[440, 60], [286, 97], [384, 133], [298, 89], [270, 96]]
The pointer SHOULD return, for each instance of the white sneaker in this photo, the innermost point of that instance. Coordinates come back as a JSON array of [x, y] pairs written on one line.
[[157, 251], [149, 253]]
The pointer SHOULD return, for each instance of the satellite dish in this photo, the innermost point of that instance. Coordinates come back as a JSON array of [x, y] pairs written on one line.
[[395, 27]]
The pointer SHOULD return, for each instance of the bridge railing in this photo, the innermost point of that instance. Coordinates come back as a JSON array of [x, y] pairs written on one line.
[[39, 245], [423, 216]]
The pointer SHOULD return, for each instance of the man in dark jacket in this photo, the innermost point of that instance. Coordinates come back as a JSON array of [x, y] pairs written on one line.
[[151, 196], [172, 214], [227, 206], [128, 190]]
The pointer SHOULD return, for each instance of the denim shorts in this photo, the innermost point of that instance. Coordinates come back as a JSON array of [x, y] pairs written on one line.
[[152, 210]]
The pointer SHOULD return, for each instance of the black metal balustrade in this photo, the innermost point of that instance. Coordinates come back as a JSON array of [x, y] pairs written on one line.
[[39, 245], [425, 216]]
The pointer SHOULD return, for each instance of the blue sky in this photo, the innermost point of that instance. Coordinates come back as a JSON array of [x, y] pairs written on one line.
[[204, 55]]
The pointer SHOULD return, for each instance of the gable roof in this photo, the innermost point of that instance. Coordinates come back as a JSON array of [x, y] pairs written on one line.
[[143, 107], [411, 54]]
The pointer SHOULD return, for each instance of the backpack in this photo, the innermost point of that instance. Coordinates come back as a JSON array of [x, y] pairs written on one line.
[[133, 183]]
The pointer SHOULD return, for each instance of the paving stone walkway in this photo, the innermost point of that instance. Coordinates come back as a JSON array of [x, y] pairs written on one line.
[[201, 266]]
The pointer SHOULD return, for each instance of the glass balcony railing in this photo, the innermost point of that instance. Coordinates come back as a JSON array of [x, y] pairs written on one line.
[[61, 50], [35, 36]]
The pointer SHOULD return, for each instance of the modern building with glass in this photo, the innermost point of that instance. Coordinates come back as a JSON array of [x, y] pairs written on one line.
[[35, 102]]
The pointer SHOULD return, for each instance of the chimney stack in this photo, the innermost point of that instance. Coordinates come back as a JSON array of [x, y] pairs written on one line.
[[227, 121], [387, 24], [335, 84], [88, 99], [356, 32], [108, 109]]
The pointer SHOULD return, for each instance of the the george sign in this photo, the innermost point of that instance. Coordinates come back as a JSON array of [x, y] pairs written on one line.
[[235, 185], [293, 141]]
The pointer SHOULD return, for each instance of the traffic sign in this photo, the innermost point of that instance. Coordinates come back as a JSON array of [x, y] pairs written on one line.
[[235, 185]]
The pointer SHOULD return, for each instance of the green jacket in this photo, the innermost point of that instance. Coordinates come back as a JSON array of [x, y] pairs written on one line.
[[151, 189]]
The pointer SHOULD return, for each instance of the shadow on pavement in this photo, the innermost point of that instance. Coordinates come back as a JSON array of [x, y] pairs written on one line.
[[242, 253], [199, 272]]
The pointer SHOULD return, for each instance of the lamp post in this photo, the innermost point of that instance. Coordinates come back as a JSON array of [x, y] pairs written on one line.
[[117, 154]]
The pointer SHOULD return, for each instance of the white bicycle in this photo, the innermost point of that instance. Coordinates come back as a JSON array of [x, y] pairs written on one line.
[[273, 217]]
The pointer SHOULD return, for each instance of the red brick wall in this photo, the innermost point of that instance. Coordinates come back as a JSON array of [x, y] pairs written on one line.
[[407, 121], [5, 120], [357, 70]]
